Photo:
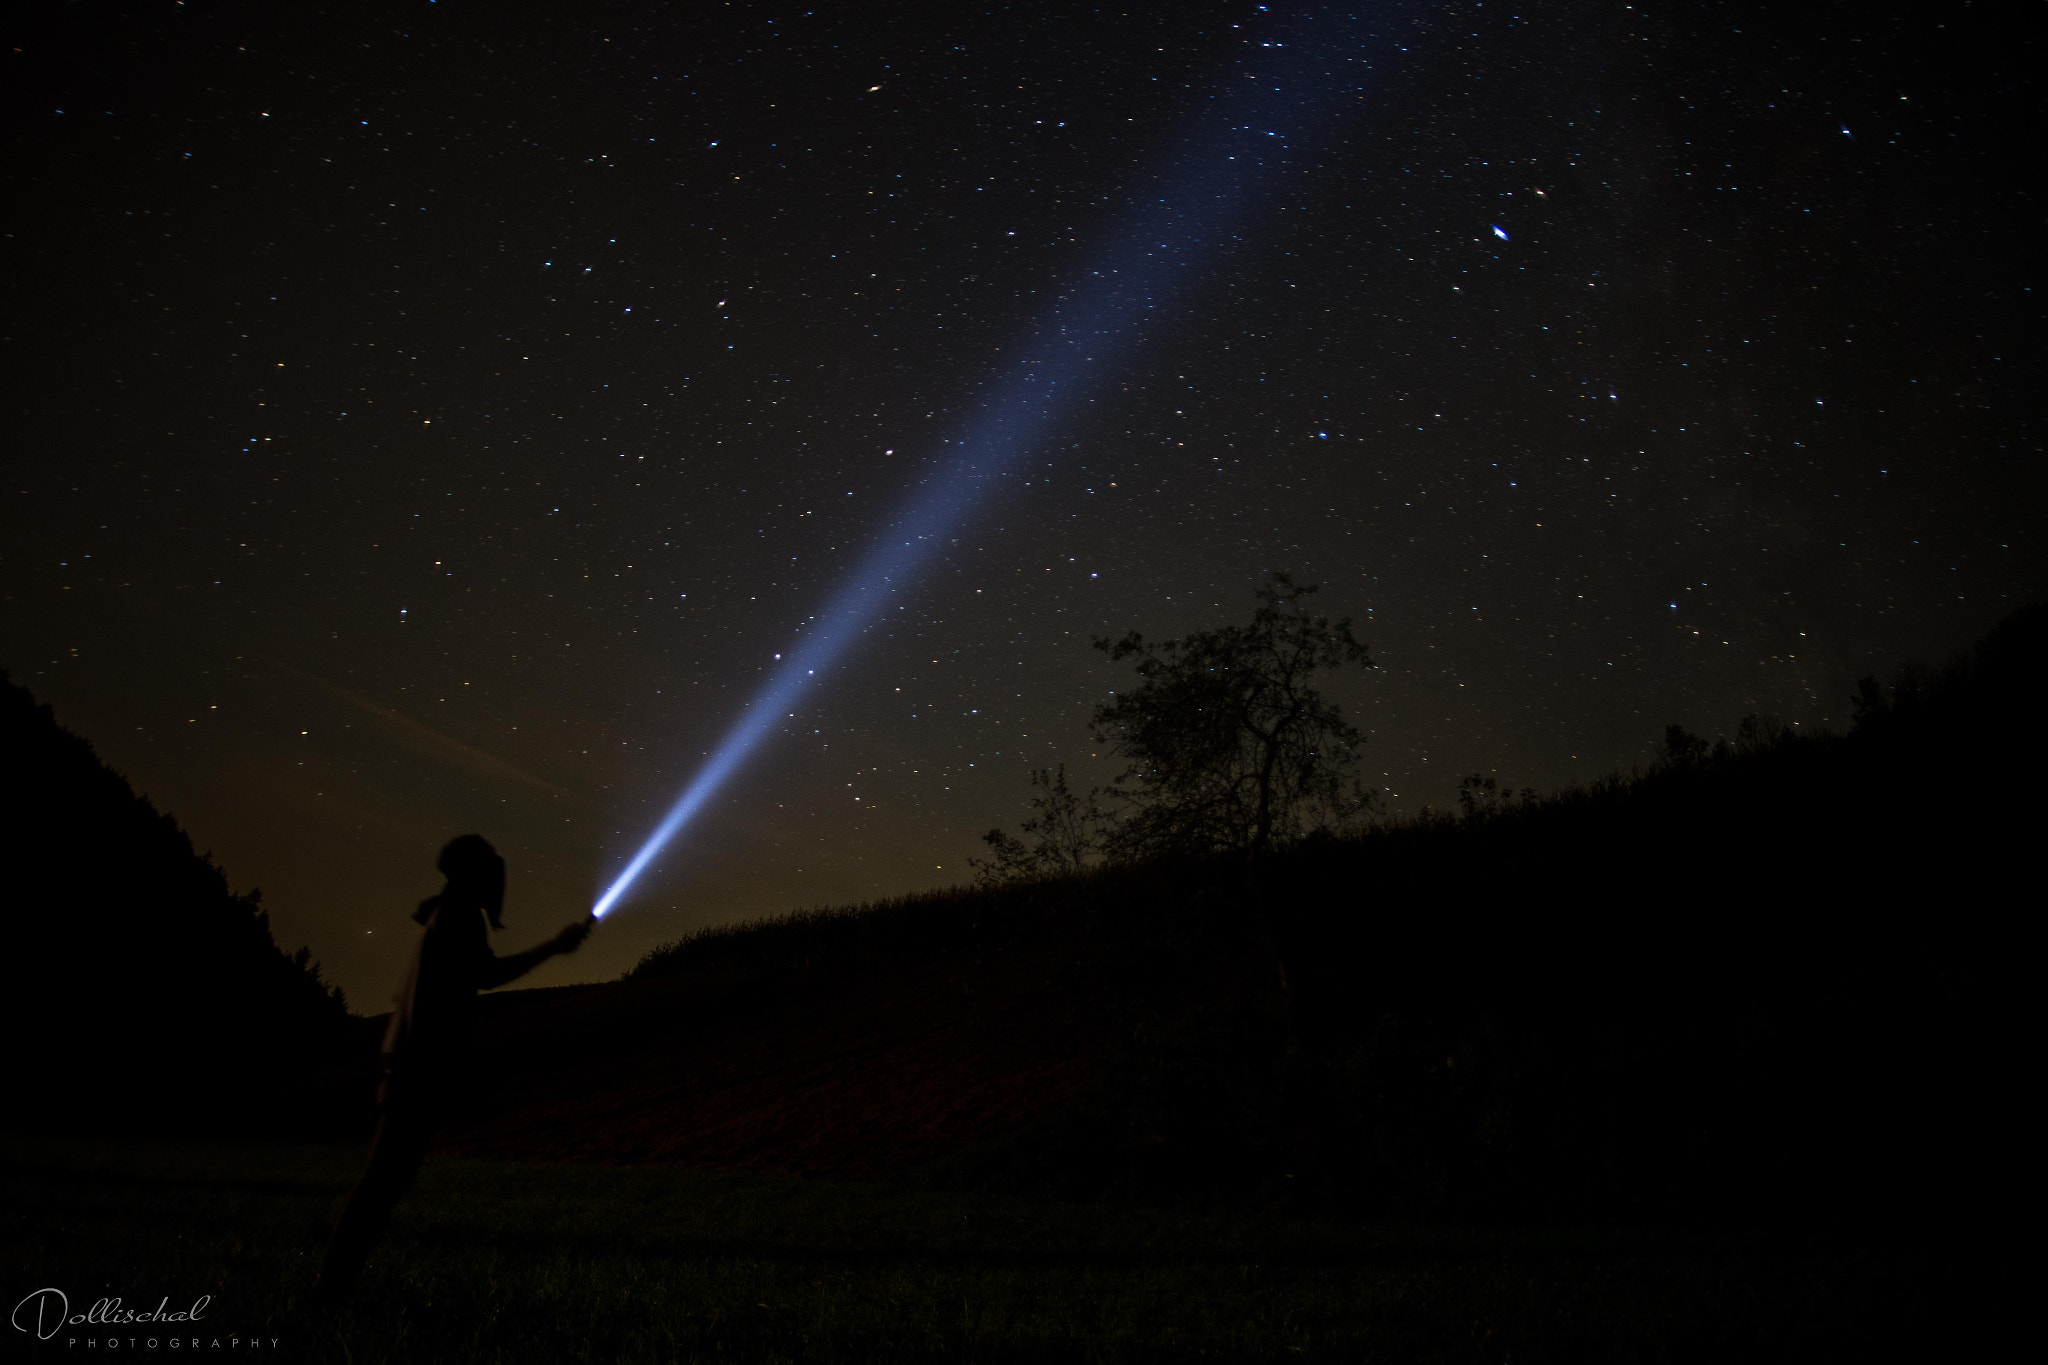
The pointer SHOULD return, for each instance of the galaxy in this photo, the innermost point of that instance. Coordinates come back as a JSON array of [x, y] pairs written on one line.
[[425, 418]]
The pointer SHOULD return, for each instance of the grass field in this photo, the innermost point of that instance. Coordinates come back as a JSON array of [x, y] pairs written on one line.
[[511, 1262]]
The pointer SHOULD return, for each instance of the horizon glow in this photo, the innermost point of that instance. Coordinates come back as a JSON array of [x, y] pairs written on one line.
[[1294, 77]]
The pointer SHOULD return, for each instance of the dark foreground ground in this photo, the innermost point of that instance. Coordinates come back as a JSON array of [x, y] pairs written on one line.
[[500, 1261]]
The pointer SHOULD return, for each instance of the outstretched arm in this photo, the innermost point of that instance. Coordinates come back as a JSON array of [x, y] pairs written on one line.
[[511, 967]]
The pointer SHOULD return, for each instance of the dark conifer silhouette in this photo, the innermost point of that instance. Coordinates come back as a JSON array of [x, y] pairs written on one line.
[[1682, 747], [152, 998]]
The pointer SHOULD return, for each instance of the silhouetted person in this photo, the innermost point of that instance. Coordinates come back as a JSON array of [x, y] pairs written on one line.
[[427, 1050]]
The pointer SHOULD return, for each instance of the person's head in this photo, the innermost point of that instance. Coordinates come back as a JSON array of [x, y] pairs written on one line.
[[476, 878]]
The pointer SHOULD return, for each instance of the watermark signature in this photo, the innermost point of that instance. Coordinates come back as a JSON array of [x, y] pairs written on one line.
[[46, 1312]]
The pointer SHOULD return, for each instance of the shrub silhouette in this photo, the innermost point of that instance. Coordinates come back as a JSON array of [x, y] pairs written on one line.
[[1065, 835], [1481, 797]]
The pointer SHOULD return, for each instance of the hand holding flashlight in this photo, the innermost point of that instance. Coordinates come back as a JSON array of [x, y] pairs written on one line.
[[572, 936]]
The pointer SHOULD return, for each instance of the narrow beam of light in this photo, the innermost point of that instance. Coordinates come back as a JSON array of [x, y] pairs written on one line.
[[1281, 88]]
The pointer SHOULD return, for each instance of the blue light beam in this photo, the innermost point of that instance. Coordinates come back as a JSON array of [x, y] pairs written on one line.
[[1287, 86]]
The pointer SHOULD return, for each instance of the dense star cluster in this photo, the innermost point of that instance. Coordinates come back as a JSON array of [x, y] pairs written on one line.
[[429, 417]]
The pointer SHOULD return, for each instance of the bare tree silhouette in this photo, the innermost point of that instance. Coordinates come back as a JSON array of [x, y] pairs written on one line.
[[1230, 746]]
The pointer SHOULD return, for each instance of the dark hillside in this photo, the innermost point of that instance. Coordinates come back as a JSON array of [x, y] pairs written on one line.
[[856, 1043], [1782, 974], [148, 997], [838, 1071], [1778, 975]]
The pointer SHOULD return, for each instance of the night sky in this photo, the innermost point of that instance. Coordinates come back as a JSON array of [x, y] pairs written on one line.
[[438, 417]]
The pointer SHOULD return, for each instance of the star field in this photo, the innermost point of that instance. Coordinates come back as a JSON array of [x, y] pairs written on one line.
[[430, 417]]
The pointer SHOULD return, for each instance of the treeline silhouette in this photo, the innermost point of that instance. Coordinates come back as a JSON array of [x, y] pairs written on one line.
[[1779, 974], [144, 995]]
